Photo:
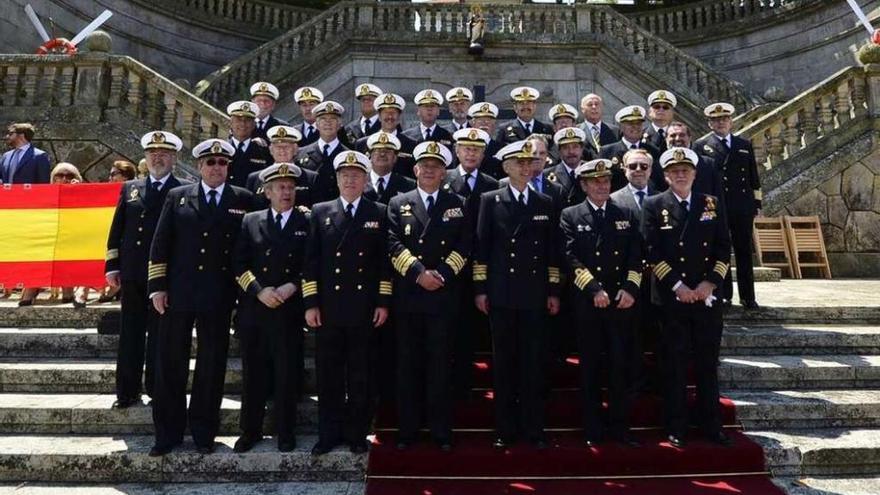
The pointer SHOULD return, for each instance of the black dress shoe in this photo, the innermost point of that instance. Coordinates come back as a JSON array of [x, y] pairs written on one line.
[[359, 447], [205, 449], [79, 304], [124, 403], [246, 443], [750, 304], [160, 450], [500, 443], [322, 448], [287, 446], [676, 441], [25, 302], [720, 438]]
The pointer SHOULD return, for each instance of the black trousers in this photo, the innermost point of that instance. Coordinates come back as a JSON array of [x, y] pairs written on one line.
[[271, 346], [470, 334], [610, 330], [518, 356], [686, 328], [343, 366], [647, 320], [137, 337], [172, 371], [741, 226], [423, 374]]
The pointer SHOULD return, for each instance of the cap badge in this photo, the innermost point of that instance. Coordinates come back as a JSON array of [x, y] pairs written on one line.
[[433, 148], [264, 87], [636, 112], [351, 158], [661, 95], [283, 170], [600, 167], [158, 137], [364, 90], [569, 133], [383, 138], [678, 155], [245, 107], [216, 148], [527, 147], [718, 109], [459, 93], [473, 136], [330, 108], [281, 133], [307, 93], [484, 107], [525, 93], [429, 95], [389, 99]]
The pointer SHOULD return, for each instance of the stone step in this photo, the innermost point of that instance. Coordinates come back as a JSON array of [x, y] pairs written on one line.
[[829, 485], [799, 372], [820, 451], [800, 339], [124, 459], [762, 274], [92, 414], [757, 409], [267, 488], [96, 375]]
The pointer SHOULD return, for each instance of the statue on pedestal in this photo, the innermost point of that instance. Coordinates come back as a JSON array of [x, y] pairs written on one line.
[[476, 30]]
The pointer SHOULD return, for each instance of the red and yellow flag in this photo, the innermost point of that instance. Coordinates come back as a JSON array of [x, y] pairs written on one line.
[[55, 235]]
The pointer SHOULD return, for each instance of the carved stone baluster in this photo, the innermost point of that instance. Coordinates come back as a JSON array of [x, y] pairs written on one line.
[[48, 86], [776, 143], [170, 113], [842, 105], [10, 83], [188, 126], [792, 135], [809, 124], [117, 83], [859, 96], [759, 145], [135, 94], [66, 87], [153, 105], [29, 85]]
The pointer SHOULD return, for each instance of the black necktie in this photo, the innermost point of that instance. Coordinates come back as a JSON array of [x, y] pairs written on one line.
[[522, 199], [726, 144], [641, 195], [684, 205], [309, 132], [427, 134], [212, 200], [326, 150], [380, 186], [662, 134], [155, 186], [528, 128], [240, 148], [632, 147], [467, 182], [571, 176], [600, 215], [278, 217], [430, 204], [365, 124], [260, 124], [349, 211]]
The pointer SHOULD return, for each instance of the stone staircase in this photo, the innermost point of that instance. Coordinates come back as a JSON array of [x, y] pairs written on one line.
[[804, 372]]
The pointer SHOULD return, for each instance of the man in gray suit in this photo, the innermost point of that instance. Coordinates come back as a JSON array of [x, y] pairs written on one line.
[[637, 165], [23, 163]]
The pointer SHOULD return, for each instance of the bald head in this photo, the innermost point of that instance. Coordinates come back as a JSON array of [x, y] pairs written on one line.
[[591, 108]]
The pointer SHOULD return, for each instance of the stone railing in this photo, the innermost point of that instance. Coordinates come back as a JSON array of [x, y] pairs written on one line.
[[260, 13], [118, 87], [710, 14], [812, 116], [407, 23]]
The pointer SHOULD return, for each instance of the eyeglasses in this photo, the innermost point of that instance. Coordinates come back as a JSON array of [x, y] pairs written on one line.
[[637, 165], [65, 175], [661, 107], [222, 162]]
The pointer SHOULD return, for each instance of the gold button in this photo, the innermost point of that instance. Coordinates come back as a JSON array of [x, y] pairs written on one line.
[[597, 253], [225, 251], [681, 259], [268, 252], [616, 268], [228, 236], [204, 234], [287, 270], [338, 254], [361, 253], [513, 255], [140, 229], [513, 241], [421, 241], [680, 243], [360, 270], [706, 259], [202, 250], [360, 287], [684, 275], [223, 268], [201, 267], [420, 256], [534, 272], [143, 215], [512, 270], [615, 252], [534, 257], [442, 243], [337, 287], [338, 270], [138, 243], [598, 268], [705, 244], [536, 243], [265, 269]]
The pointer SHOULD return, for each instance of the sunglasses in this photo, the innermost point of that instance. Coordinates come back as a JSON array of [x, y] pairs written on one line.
[[636, 165], [222, 162], [661, 107]]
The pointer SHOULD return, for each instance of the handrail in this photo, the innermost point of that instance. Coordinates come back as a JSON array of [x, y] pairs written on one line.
[[809, 117], [684, 19], [119, 86], [268, 15], [540, 23]]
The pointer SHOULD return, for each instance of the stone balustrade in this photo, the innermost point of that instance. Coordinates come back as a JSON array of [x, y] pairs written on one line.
[[813, 115], [709, 14], [269, 15], [405, 22], [103, 87]]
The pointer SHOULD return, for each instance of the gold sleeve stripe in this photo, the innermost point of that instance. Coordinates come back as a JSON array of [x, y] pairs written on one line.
[[246, 279], [480, 272], [157, 270], [553, 274], [582, 277], [634, 277], [662, 269], [112, 254], [403, 261], [759, 195], [721, 268], [309, 288], [385, 287], [456, 262]]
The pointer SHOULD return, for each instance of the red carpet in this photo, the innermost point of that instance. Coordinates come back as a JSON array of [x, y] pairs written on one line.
[[566, 466]]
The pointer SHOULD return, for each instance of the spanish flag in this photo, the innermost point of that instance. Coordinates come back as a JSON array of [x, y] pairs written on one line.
[[55, 235]]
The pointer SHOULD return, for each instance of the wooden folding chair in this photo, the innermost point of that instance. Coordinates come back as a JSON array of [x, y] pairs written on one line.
[[807, 244], [771, 245]]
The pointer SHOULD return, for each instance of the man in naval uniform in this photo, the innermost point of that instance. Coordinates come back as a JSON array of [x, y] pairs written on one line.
[[283, 145], [428, 102], [391, 107], [368, 123], [251, 154], [570, 142], [631, 120], [458, 99], [525, 104], [318, 156], [661, 113], [265, 96], [307, 98]]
